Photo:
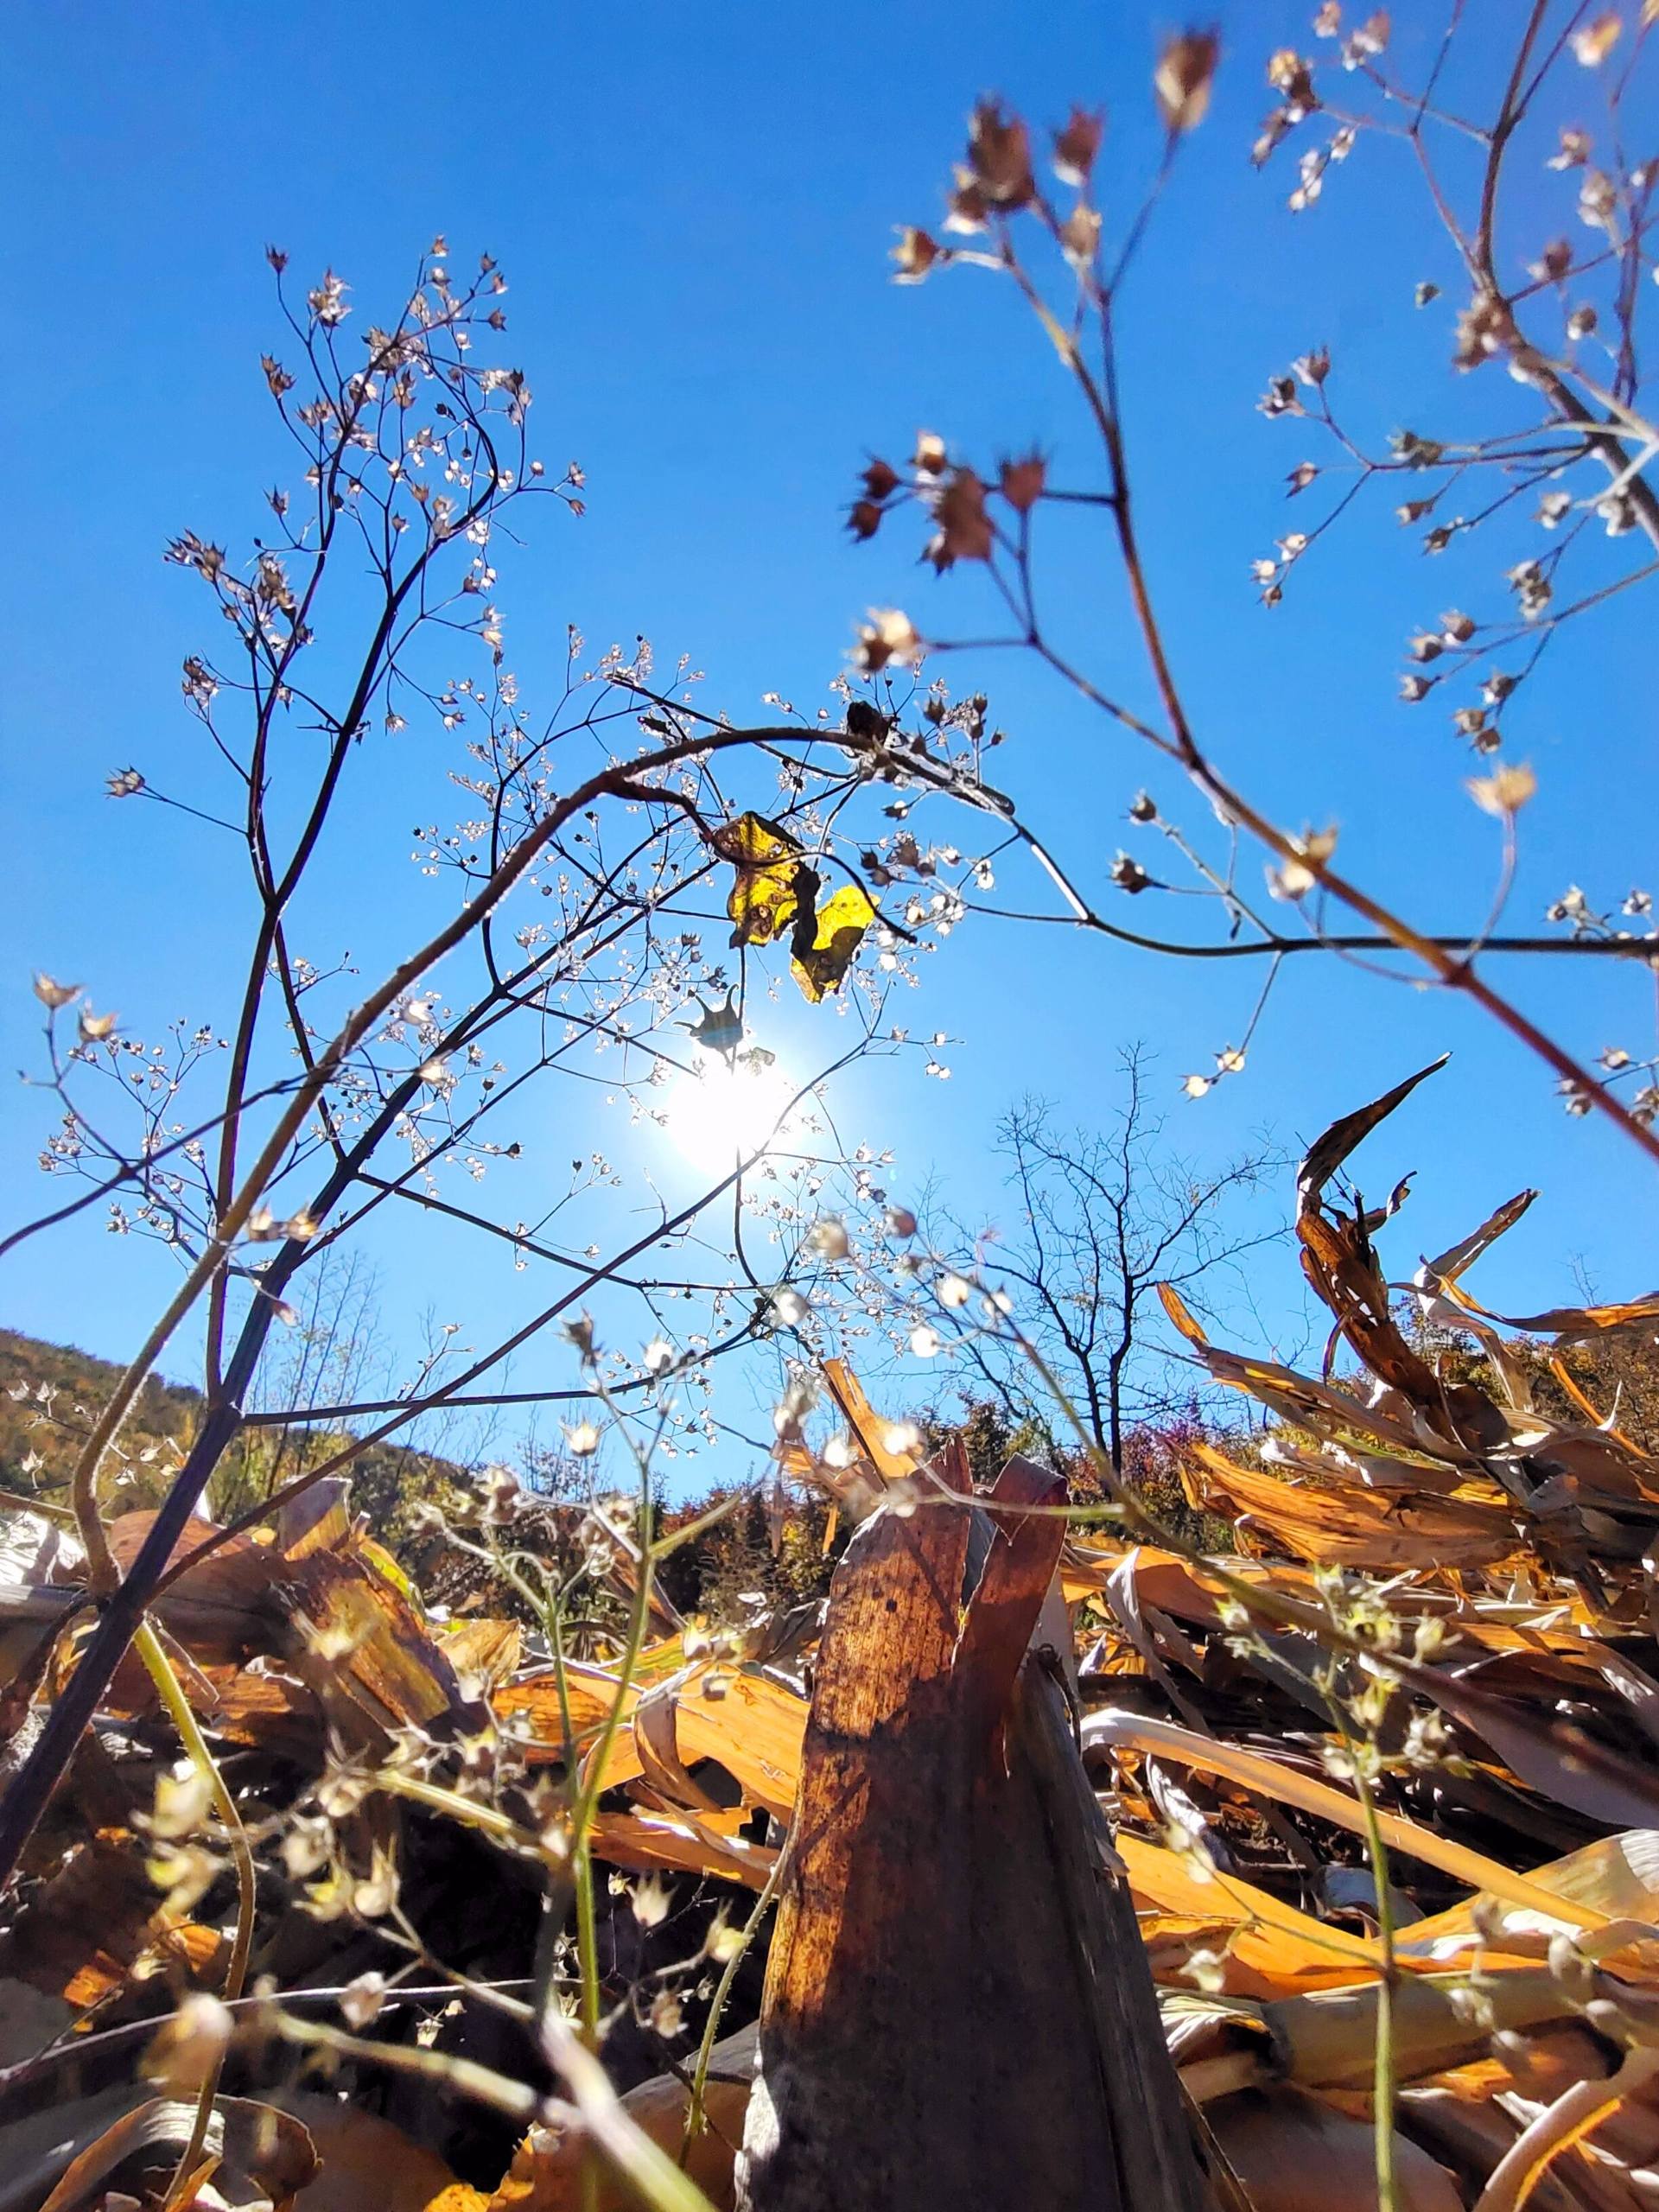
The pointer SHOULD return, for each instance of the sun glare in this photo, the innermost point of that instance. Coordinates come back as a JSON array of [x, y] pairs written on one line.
[[720, 1114]]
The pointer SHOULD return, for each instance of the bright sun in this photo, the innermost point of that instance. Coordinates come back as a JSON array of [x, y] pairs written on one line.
[[721, 1114]]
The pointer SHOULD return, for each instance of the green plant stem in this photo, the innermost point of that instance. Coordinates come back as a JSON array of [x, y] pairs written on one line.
[[588, 1968], [632, 1651], [695, 2118], [182, 1713], [1383, 2074], [1383, 2070], [587, 1945], [581, 1819]]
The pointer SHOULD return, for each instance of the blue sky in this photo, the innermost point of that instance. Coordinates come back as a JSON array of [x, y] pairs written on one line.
[[694, 209]]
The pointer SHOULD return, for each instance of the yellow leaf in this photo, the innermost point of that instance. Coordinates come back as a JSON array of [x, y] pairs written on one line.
[[774, 896], [821, 963], [765, 897]]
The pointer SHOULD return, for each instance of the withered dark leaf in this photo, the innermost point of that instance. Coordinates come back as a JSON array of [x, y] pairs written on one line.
[[1279, 398], [999, 158], [965, 531], [1022, 481], [914, 255], [1076, 147], [718, 1028], [1293, 77], [968, 207]]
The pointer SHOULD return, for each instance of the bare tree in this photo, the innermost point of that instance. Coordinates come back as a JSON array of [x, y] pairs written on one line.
[[1104, 1215], [329, 1353]]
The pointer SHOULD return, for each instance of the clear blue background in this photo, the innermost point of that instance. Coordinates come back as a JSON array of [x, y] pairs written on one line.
[[694, 207]]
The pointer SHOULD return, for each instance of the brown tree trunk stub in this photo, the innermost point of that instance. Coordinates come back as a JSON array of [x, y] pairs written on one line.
[[958, 2011]]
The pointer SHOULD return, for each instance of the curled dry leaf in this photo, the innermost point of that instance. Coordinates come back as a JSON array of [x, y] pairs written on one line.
[[1021, 481], [914, 255]]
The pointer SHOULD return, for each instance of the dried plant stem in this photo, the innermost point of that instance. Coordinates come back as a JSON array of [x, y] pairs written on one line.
[[290, 1123], [171, 1690], [591, 1996], [1567, 2121], [1384, 2079], [647, 2169], [102, 1572], [1255, 1770], [1251, 1769], [587, 1801], [515, 2100]]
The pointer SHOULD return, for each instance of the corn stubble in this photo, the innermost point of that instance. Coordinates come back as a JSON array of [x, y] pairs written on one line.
[[1104, 1866]]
